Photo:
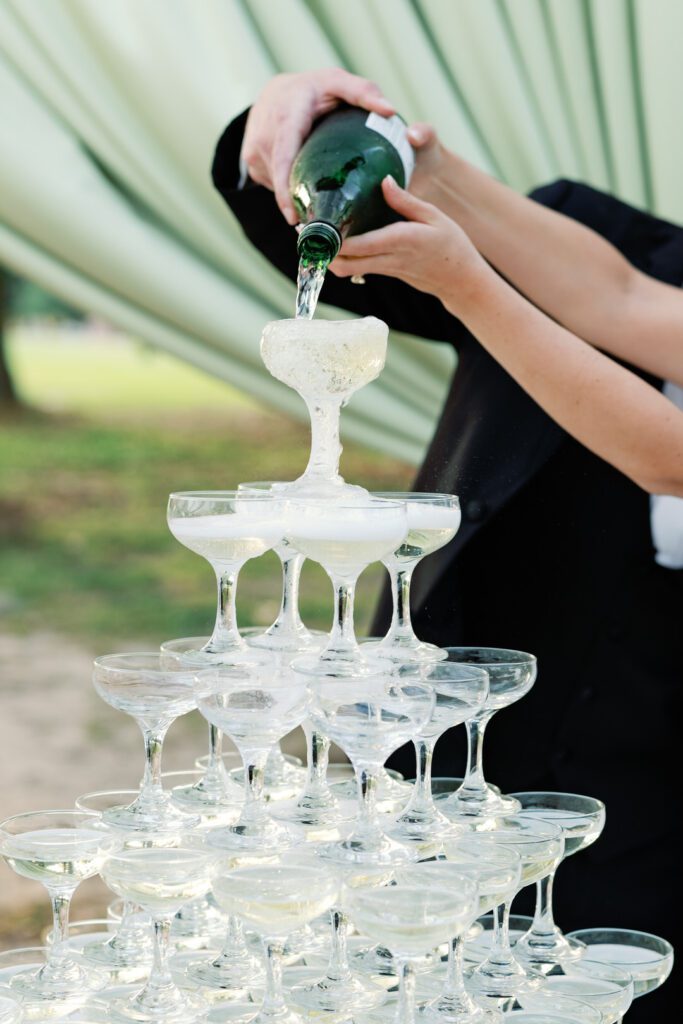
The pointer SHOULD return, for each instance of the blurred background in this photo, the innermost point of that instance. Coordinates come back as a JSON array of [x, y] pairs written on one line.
[[131, 309]]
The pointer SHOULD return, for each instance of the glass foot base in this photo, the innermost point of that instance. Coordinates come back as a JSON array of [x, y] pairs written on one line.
[[346, 663], [227, 978], [463, 805], [428, 828], [281, 638], [251, 839], [500, 982], [164, 817], [378, 962], [391, 796], [170, 1005], [45, 986], [404, 651], [125, 962], [338, 995], [232, 1012], [213, 801], [546, 952], [446, 1011], [357, 850]]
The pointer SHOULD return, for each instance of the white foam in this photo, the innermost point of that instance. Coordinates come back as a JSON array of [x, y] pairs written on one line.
[[423, 516], [325, 357], [389, 527], [226, 527]]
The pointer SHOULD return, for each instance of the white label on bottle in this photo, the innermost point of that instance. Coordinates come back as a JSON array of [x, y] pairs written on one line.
[[394, 131]]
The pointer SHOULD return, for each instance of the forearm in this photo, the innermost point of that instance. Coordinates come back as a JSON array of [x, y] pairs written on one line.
[[604, 406], [566, 269]]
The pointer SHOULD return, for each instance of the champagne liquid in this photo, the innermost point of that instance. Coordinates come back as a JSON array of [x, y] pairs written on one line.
[[536, 868], [225, 538], [157, 880], [409, 930], [309, 283], [277, 900], [648, 968], [344, 553], [419, 543], [580, 830], [56, 856]]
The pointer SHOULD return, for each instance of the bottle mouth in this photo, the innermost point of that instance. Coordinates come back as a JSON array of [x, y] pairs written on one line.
[[318, 241]]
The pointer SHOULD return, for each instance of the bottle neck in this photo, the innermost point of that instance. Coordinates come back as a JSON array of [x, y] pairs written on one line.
[[318, 243]]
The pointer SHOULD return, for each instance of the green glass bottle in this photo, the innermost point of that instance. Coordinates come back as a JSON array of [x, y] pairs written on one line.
[[336, 178]]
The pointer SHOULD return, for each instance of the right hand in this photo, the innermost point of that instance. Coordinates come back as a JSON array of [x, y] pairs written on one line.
[[282, 117]]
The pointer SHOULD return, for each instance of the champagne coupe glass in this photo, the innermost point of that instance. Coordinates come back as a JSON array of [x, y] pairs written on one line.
[[606, 987], [344, 539], [647, 958], [496, 871], [571, 1011], [155, 690], [412, 919], [540, 845], [25, 961], [59, 849], [460, 692], [511, 676], [130, 947], [324, 361], [276, 900], [288, 632], [433, 521], [215, 792], [160, 880], [255, 707], [341, 990], [227, 529], [10, 1011], [582, 819], [369, 718]]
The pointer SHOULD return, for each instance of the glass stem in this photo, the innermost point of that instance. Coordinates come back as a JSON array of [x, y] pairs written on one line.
[[455, 977], [215, 769], [273, 1000], [60, 918], [474, 781], [289, 610], [225, 632], [338, 968], [323, 463], [367, 824], [406, 994], [151, 788], [342, 636], [254, 809], [234, 947], [160, 983], [421, 798], [401, 624], [317, 755], [501, 954], [544, 924]]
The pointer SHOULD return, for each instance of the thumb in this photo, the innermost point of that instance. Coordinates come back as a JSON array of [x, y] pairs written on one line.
[[408, 205], [421, 135]]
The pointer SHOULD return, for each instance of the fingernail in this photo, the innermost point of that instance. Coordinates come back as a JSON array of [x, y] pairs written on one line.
[[391, 179]]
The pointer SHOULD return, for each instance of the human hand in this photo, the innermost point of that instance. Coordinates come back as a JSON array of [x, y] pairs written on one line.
[[427, 250], [282, 117], [430, 157]]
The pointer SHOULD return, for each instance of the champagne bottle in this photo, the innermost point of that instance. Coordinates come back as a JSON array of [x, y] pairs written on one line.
[[336, 178]]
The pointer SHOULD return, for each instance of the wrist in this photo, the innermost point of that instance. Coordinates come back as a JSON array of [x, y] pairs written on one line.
[[470, 289]]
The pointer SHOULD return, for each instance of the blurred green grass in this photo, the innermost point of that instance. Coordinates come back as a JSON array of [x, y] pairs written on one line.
[[84, 547]]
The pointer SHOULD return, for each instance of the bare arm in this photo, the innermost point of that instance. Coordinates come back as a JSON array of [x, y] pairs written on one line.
[[563, 267], [604, 406]]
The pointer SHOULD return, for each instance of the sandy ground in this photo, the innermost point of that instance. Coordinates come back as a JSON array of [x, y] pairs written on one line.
[[58, 740]]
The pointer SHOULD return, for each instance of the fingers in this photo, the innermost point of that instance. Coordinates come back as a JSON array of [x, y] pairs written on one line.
[[285, 148], [360, 92], [344, 267], [408, 205], [421, 134], [374, 243]]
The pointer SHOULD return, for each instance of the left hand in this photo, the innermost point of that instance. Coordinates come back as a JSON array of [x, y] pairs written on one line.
[[427, 250]]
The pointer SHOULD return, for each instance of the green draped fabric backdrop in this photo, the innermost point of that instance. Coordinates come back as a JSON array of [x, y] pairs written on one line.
[[109, 111]]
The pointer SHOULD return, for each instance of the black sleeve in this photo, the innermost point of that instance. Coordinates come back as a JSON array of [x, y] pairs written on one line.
[[402, 307], [652, 245]]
